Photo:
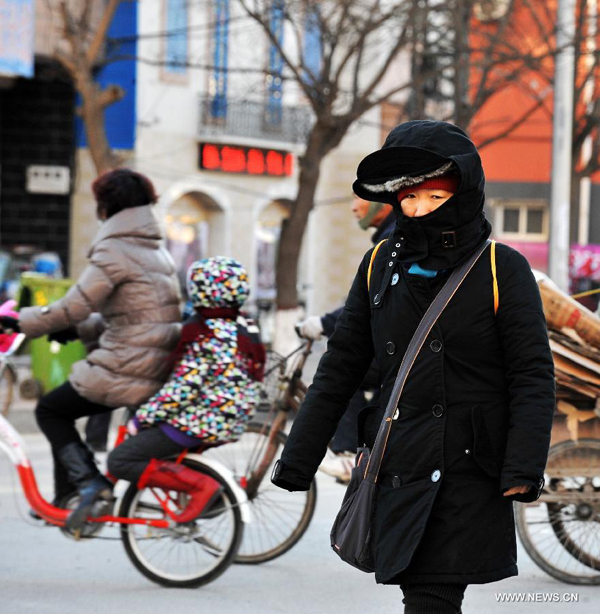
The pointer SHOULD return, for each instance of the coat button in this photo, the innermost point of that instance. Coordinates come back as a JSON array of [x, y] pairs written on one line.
[[390, 347], [436, 475], [436, 345], [376, 299], [467, 451], [395, 278], [396, 482], [437, 410]]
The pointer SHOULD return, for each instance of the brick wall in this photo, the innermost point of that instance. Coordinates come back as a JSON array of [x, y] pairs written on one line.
[[36, 127]]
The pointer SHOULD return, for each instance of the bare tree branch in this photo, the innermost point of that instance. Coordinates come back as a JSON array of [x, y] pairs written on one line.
[[511, 127], [391, 56], [110, 95], [297, 72], [99, 38]]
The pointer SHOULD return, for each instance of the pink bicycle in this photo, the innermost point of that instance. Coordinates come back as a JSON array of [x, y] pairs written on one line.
[[167, 552]]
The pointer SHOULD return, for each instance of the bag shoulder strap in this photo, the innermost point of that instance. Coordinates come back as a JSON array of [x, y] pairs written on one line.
[[431, 316], [373, 254], [496, 292]]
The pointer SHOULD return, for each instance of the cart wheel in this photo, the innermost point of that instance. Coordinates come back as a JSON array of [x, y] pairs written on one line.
[[31, 388], [561, 530]]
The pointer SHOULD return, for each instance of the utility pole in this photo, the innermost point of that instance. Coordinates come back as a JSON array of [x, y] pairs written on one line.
[[585, 189], [558, 249]]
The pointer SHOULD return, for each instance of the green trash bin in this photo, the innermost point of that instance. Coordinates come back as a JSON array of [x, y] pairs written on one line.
[[50, 361]]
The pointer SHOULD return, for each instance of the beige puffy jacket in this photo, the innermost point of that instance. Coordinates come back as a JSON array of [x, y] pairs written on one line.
[[126, 305]]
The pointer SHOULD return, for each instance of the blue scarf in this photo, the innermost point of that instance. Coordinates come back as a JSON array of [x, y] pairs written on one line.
[[415, 269]]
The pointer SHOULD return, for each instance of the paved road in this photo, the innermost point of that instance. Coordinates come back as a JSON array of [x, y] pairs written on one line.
[[41, 572]]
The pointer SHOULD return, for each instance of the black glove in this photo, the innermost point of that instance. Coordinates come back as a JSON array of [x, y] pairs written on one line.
[[9, 325], [64, 336]]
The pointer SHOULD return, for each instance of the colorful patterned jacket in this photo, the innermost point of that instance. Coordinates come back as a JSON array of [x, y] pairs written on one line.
[[215, 384]]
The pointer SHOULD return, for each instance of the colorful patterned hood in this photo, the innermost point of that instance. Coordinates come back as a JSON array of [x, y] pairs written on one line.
[[217, 282]]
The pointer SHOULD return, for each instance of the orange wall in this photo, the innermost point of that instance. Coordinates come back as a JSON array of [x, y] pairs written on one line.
[[525, 154]]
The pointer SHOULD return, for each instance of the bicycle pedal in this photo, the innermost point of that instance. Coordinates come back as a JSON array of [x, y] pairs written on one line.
[[103, 507]]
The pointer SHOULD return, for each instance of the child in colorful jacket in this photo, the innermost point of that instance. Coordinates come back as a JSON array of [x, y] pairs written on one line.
[[211, 394]]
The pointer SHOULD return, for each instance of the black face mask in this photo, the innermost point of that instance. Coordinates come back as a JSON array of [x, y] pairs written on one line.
[[438, 240], [445, 237]]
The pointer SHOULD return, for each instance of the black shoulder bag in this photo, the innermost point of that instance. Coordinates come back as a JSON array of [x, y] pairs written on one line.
[[351, 536]]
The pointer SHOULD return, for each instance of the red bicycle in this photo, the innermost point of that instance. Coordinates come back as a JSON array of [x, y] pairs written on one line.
[[169, 553]]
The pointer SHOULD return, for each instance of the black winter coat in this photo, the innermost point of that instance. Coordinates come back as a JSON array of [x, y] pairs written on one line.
[[475, 416]]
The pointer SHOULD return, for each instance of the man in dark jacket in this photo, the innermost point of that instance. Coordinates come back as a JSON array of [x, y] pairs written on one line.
[[472, 428], [345, 441]]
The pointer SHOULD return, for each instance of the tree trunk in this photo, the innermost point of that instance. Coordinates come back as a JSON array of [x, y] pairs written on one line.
[[462, 68], [94, 102], [293, 228], [574, 207]]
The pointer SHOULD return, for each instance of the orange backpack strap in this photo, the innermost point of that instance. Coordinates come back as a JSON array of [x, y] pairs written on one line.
[[496, 293], [373, 254]]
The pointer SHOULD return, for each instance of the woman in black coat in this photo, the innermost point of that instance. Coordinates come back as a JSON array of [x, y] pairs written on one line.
[[472, 429]]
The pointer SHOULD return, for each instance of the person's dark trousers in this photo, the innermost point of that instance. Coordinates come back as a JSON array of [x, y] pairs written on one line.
[[56, 413], [345, 438], [128, 460], [96, 431], [433, 598]]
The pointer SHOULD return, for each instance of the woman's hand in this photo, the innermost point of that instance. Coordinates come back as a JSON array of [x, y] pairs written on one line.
[[9, 324], [64, 336], [517, 490], [132, 429]]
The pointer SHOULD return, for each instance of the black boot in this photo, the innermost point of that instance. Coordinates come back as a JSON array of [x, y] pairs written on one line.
[[91, 484], [63, 487]]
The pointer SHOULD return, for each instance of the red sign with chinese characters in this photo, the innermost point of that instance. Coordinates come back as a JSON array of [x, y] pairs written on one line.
[[245, 160]]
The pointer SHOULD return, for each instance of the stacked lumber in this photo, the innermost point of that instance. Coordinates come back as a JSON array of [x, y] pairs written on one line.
[[577, 367], [574, 333]]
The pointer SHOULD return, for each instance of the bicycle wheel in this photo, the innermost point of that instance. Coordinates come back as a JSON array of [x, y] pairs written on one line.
[[279, 518], [561, 531], [184, 555], [7, 387]]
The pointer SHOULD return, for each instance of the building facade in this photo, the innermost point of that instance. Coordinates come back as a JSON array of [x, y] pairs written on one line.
[[220, 131], [518, 165]]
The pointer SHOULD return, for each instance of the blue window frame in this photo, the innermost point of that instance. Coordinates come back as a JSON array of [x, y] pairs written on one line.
[[176, 41], [218, 89], [274, 110], [313, 46]]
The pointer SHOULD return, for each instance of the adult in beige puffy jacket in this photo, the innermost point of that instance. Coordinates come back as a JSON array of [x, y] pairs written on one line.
[[126, 305]]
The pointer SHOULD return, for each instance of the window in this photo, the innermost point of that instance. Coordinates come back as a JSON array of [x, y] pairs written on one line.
[[511, 220], [535, 221], [193, 225], [267, 233], [176, 39], [312, 45], [218, 80], [274, 108], [490, 10], [518, 220]]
